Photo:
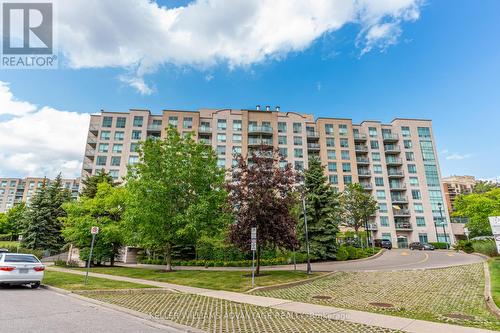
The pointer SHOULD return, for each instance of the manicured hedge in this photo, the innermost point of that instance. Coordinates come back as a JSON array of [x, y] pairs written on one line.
[[13, 249], [440, 245]]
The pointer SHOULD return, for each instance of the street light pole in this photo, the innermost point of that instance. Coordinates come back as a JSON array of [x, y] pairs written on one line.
[[442, 224], [309, 270]]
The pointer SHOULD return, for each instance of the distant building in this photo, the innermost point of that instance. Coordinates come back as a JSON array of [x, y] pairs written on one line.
[[17, 190], [454, 186]]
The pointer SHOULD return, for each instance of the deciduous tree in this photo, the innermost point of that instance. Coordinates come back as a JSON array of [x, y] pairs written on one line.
[[89, 184], [477, 207]]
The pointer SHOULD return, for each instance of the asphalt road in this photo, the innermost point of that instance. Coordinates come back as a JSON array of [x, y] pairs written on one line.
[[395, 259], [25, 310]]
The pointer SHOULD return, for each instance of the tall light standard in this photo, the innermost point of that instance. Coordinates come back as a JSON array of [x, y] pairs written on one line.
[[309, 270], [440, 206]]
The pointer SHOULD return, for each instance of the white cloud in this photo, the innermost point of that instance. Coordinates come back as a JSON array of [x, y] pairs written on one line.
[[209, 77], [39, 141], [458, 157], [142, 36]]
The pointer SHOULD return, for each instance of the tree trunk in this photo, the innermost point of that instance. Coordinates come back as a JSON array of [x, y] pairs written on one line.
[[112, 258], [168, 256]]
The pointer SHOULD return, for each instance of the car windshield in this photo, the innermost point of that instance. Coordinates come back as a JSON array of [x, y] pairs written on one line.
[[20, 258]]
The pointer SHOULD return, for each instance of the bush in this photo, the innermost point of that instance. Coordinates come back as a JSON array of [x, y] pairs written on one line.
[[440, 245], [464, 245], [63, 263], [342, 253], [14, 249], [486, 247]]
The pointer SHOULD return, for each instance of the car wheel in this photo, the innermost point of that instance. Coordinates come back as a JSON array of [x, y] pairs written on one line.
[[35, 285]]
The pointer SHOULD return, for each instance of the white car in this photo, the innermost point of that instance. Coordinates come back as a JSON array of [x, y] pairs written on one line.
[[17, 269]]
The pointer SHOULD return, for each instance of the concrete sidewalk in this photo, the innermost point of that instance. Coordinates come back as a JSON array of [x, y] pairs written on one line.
[[360, 317]]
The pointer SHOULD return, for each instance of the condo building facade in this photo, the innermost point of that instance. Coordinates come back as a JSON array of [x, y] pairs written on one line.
[[17, 190], [454, 186], [397, 162]]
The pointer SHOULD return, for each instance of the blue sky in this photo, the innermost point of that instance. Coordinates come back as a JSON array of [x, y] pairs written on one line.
[[443, 65]]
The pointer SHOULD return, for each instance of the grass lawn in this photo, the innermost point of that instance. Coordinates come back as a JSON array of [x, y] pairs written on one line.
[[7, 243], [76, 282], [219, 280], [495, 279]]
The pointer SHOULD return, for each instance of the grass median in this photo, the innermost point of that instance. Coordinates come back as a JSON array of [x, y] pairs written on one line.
[[219, 280], [73, 282], [495, 279]]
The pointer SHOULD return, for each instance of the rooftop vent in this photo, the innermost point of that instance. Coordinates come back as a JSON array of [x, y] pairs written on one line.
[[278, 108], [257, 107], [268, 108]]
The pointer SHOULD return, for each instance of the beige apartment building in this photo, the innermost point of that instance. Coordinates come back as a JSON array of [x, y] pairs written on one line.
[[16, 190], [454, 186], [397, 162]]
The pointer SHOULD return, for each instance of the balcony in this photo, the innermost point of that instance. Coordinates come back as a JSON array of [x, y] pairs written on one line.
[[88, 166], [93, 128], [205, 141], [90, 152], [154, 128], [313, 146], [312, 135], [396, 199], [401, 212], [403, 226], [394, 161], [361, 148], [391, 149], [259, 142], [367, 186], [205, 129], [363, 160], [396, 174], [91, 140], [389, 137], [260, 130], [372, 227], [397, 186], [364, 173], [359, 137]]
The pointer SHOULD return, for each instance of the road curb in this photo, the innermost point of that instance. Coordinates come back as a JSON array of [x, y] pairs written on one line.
[[148, 318], [488, 297], [289, 284]]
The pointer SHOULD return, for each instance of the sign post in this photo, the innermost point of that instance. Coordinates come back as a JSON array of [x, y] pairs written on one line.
[[466, 232], [94, 231], [495, 228], [19, 240], [253, 248]]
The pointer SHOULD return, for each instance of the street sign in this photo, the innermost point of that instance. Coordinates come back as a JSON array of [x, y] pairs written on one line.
[[253, 233], [20, 238], [94, 230], [495, 228], [254, 245]]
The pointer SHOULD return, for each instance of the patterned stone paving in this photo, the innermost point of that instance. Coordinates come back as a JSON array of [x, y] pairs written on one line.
[[216, 315], [454, 295]]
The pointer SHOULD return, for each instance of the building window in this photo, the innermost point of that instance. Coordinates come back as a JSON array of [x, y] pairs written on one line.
[[412, 168], [330, 142], [236, 150], [443, 238], [344, 143], [377, 168], [187, 122], [332, 167], [386, 235], [333, 179], [121, 122], [103, 147], [379, 181], [384, 221], [281, 127], [237, 138], [422, 238], [297, 128], [381, 194], [424, 132], [136, 135], [419, 208], [297, 140], [420, 221], [107, 121], [298, 152], [237, 125], [221, 124], [346, 167], [329, 129], [101, 160], [138, 120], [347, 180], [342, 129], [281, 139], [115, 160], [416, 195], [221, 162], [413, 181], [105, 135], [221, 150], [372, 131], [405, 131], [374, 144], [173, 121], [407, 144], [344, 154], [117, 148], [382, 207], [299, 165], [431, 174], [119, 135], [221, 137], [427, 151], [283, 152], [134, 147], [331, 155], [410, 156], [376, 157]]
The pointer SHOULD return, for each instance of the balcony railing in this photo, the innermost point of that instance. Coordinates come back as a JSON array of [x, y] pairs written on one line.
[[259, 142], [403, 226], [205, 141], [93, 128], [390, 137], [87, 166], [392, 149], [260, 129], [91, 140], [400, 186], [394, 161], [399, 199], [364, 173], [204, 129], [361, 148], [313, 146], [372, 227], [312, 135], [396, 174], [359, 136], [401, 212], [90, 152], [367, 186], [154, 127]]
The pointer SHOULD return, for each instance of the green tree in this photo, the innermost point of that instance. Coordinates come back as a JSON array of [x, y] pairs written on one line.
[[484, 186], [3, 224], [12, 220], [357, 206], [323, 212], [477, 207], [176, 192], [41, 227], [105, 210], [90, 183]]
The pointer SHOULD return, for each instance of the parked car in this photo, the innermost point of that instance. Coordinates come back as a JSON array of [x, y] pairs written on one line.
[[3, 250], [19, 269], [421, 246], [383, 243]]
